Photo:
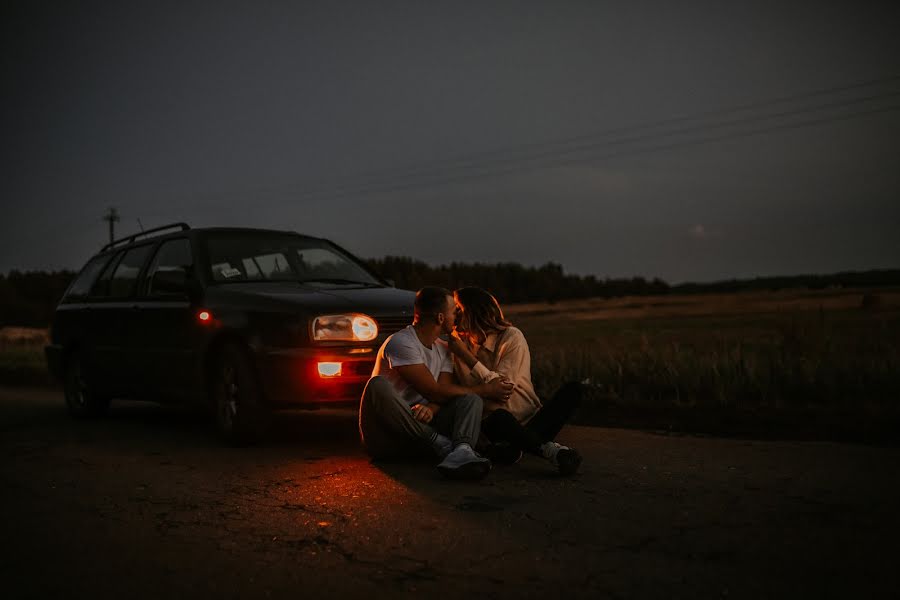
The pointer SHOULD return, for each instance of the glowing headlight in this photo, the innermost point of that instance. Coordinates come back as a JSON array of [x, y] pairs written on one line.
[[352, 328]]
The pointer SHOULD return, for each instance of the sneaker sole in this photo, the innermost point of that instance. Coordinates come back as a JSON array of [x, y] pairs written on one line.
[[472, 470], [570, 465]]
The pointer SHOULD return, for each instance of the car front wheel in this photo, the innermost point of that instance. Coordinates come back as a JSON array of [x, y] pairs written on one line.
[[240, 415]]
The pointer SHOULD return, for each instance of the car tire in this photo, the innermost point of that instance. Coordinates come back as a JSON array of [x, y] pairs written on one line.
[[82, 400], [241, 417]]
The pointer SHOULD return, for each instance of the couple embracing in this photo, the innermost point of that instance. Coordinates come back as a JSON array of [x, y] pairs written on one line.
[[459, 380]]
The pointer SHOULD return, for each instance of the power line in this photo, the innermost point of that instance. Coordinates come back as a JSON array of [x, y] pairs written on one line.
[[458, 169], [523, 164], [510, 153], [650, 137]]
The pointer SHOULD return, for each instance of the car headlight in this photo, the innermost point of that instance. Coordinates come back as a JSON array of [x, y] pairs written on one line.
[[351, 328]]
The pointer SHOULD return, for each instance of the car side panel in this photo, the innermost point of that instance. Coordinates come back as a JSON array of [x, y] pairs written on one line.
[[169, 341], [102, 349]]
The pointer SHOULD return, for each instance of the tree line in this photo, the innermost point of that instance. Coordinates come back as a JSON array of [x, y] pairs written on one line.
[[29, 298], [844, 279], [512, 282]]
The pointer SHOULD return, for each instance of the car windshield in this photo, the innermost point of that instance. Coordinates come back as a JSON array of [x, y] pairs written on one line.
[[237, 257]]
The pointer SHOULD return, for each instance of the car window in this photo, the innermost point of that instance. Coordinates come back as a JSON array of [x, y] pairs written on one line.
[[125, 276], [271, 266], [236, 257], [324, 263], [86, 278], [173, 257], [101, 286]]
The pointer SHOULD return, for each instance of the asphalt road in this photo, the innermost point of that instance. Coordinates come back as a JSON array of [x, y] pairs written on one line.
[[147, 504]]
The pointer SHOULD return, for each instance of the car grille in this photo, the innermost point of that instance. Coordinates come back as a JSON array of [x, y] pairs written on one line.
[[389, 325]]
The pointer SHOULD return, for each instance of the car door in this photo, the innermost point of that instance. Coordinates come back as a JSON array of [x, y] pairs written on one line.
[[99, 347], [123, 309], [73, 326], [168, 328]]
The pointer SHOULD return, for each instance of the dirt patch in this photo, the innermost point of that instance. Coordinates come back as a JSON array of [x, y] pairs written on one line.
[[22, 359], [25, 335]]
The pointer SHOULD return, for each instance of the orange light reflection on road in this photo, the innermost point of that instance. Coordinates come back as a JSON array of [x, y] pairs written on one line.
[[349, 489]]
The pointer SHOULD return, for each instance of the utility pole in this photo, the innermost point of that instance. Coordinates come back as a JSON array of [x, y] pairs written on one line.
[[112, 216]]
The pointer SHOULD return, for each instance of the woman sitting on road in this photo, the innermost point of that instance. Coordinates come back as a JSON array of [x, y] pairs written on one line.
[[486, 346]]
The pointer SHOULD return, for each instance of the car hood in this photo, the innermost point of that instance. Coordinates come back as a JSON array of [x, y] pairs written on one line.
[[375, 301]]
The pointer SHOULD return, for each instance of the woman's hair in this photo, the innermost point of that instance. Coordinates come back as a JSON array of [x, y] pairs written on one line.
[[481, 311]]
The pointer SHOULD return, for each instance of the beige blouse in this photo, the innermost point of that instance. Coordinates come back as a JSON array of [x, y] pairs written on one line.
[[503, 353]]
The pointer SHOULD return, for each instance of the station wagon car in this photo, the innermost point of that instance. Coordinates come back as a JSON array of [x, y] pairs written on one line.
[[244, 321]]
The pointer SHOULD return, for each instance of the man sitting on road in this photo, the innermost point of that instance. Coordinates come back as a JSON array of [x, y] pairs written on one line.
[[411, 400]]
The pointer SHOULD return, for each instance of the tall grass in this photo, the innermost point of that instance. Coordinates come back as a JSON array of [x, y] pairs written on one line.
[[845, 361]]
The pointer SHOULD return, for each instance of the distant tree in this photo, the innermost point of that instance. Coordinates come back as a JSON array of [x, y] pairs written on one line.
[[848, 279], [29, 298], [510, 282]]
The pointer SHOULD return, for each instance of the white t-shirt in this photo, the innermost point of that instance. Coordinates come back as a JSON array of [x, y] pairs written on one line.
[[404, 348]]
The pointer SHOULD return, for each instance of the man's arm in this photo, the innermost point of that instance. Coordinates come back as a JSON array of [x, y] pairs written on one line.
[[460, 349], [514, 358], [442, 390]]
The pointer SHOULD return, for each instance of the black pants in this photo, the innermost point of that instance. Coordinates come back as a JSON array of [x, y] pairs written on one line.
[[502, 427]]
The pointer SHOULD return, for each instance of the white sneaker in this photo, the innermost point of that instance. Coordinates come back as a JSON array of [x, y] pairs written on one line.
[[566, 459], [464, 463], [549, 450]]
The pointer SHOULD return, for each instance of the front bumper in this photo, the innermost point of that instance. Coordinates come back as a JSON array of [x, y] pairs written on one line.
[[291, 379]]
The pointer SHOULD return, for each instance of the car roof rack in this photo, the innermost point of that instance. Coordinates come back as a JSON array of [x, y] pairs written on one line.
[[131, 238]]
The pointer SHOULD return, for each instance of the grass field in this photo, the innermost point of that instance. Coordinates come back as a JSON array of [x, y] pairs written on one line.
[[825, 359]]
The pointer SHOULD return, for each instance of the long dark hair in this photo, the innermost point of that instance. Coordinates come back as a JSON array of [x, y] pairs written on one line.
[[481, 311]]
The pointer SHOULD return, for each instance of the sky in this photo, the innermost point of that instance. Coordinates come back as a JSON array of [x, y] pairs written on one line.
[[691, 141]]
